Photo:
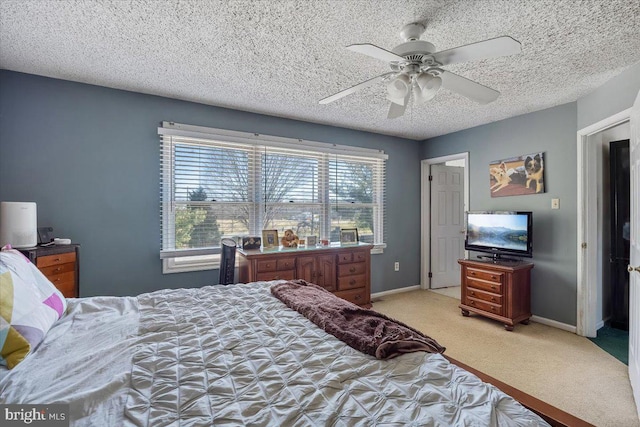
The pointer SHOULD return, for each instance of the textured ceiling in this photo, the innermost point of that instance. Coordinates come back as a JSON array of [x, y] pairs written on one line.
[[281, 57]]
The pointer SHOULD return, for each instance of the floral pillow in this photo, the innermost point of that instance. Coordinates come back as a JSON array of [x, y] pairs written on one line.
[[29, 305]]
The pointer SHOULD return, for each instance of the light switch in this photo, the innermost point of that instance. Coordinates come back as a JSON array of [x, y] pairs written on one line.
[[555, 203]]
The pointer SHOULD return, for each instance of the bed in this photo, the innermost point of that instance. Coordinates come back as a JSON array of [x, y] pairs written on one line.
[[236, 355]]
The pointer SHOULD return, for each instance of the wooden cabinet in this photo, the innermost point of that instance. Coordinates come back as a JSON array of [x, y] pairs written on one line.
[[343, 270], [500, 291], [319, 269], [60, 264]]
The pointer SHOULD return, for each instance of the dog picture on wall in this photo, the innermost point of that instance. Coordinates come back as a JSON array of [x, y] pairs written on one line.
[[517, 176]]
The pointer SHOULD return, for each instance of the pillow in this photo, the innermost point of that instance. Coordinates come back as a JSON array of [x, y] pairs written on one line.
[[29, 305]]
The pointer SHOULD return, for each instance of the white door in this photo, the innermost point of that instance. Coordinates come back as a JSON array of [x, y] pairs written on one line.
[[634, 257], [447, 225]]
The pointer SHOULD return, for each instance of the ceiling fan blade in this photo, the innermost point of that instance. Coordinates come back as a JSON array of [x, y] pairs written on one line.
[[492, 48], [375, 52], [470, 89], [353, 89], [397, 110]]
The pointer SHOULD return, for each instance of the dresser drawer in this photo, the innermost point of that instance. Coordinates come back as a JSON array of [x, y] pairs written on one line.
[[485, 296], [350, 269], [57, 269], [63, 279], [286, 264], [360, 256], [485, 306], [352, 282], [345, 258], [484, 275], [276, 275], [67, 288], [484, 285], [357, 296], [48, 260], [267, 265]]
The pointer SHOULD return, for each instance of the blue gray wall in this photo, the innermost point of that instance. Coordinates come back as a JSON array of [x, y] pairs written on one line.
[[89, 157], [612, 97], [554, 131]]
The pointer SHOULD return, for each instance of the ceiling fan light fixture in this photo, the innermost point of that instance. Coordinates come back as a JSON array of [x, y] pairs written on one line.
[[398, 88], [428, 86]]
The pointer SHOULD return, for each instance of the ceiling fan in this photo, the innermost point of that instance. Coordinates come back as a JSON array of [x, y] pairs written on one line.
[[416, 69]]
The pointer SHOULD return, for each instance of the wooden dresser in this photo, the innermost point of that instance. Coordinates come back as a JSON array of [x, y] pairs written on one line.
[[500, 291], [343, 270], [60, 264]]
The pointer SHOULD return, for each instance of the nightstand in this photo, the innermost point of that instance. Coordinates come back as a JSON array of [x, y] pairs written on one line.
[[60, 264]]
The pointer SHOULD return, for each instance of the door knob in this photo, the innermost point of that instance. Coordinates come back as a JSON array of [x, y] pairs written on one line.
[[631, 269]]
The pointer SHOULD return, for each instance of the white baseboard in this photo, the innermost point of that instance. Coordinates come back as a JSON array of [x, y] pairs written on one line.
[[554, 323], [395, 291], [599, 325]]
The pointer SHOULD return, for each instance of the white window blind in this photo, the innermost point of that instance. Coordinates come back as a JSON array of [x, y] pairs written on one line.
[[216, 183]]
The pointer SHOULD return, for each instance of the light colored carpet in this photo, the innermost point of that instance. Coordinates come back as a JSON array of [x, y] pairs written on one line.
[[453, 291], [558, 367]]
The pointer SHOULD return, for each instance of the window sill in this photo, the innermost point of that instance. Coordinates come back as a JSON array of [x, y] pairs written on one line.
[[192, 263]]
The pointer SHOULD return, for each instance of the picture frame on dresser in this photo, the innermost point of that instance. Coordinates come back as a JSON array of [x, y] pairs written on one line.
[[348, 236], [270, 239], [251, 242]]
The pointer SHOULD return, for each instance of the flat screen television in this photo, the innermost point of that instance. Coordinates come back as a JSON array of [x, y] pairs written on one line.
[[499, 233]]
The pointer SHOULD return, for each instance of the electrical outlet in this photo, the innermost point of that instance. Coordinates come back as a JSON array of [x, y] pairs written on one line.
[[555, 203], [396, 266]]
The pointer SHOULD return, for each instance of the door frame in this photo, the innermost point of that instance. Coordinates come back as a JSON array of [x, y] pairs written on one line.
[[587, 217], [425, 209]]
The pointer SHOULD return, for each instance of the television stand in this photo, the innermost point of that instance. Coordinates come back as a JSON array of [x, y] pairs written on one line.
[[496, 290]]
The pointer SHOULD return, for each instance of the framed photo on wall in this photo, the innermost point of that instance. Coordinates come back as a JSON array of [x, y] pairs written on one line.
[[348, 236], [270, 239], [517, 176]]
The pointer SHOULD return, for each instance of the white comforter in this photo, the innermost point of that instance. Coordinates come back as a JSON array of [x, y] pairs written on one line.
[[236, 355]]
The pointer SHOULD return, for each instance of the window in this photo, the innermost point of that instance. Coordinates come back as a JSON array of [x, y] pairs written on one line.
[[216, 183]]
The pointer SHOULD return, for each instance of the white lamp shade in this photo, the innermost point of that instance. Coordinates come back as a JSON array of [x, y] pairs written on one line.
[[428, 86], [18, 224], [398, 88]]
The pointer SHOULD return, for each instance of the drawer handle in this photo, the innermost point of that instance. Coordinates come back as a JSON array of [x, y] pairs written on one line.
[[473, 273], [277, 278], [472, 302], [493, 277], [268, 265], [471, 293], [357, 297], [56, 260], [58, 269], [493, 299], [352, 281], [352, 270], [493, 286], [493, 308]]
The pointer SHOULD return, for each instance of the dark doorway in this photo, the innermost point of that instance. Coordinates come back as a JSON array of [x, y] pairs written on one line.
[[620, 233]]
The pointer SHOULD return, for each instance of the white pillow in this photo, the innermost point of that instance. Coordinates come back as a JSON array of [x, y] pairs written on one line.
[[29, 305]]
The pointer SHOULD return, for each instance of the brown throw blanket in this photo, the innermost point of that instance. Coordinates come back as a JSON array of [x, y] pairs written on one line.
[[365, 330]]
